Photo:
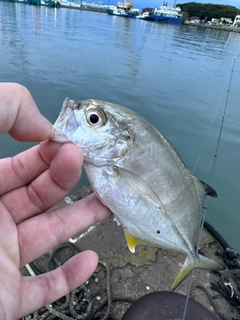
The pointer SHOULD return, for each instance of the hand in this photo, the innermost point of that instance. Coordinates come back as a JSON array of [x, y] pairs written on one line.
[[30, 183]]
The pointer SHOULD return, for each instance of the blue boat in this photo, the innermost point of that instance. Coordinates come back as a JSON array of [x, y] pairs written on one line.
[[166, 13]]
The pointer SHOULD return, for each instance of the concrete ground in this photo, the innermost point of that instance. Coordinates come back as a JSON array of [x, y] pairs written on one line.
[[149, 270]]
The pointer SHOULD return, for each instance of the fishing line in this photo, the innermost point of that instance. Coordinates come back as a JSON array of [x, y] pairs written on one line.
[[214, 116], [223, 118], [236, 44], [211, 176]]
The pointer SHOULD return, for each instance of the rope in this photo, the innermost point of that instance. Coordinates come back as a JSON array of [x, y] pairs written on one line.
[[108, 289], [224, 287], [78, 303], [211, 299]]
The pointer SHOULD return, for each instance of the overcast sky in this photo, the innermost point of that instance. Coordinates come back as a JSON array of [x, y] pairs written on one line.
[[158, 3]]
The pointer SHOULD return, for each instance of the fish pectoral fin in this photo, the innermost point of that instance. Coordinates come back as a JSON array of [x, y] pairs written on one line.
[[132, 241], [138, 185], [188, 266]]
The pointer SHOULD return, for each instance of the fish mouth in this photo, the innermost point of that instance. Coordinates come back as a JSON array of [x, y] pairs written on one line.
[[65, 120]]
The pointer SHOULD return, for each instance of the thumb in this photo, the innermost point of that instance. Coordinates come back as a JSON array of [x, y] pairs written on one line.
[[19, 114]]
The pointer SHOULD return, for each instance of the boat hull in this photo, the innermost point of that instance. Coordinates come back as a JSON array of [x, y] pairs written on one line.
[[126, 15], [164, 19]]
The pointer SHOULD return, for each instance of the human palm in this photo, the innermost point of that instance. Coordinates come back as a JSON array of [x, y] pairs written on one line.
[[30, 184]]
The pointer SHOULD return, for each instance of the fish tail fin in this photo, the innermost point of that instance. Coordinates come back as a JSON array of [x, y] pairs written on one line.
[[188, 266]]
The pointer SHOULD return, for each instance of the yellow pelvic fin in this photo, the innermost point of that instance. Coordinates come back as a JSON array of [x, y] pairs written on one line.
[[132, 241]]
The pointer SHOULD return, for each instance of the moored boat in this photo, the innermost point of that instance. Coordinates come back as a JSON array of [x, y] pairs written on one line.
[[166, 13], [124, 9], [143, 15]]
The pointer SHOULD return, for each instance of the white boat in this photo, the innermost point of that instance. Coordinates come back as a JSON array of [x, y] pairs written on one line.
[[144, 15], [124, 9], [168, 11], [119, 12]]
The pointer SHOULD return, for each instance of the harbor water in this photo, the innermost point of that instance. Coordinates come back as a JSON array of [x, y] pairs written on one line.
[[176, 76]]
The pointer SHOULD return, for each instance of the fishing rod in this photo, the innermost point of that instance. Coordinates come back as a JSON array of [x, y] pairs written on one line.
[[211, 176]]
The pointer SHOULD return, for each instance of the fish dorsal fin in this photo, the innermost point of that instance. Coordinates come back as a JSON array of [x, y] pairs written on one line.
[[132, 241], [203, 189], [209, 191]]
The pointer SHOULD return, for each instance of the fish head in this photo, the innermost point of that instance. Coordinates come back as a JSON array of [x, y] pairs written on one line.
[[102, 130]]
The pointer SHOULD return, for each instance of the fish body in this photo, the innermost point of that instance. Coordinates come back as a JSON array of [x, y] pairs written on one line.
[[139, 177]]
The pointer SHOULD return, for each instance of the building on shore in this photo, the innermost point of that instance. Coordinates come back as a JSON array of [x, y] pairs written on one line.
[[236, 22]]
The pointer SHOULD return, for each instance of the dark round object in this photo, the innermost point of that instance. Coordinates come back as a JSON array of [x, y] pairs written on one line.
[[94, 118], [165, 305]]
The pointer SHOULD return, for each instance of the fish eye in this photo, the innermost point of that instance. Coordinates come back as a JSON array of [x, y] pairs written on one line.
[[96, 118]]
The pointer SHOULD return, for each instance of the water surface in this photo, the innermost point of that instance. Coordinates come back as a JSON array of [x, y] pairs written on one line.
[[177, 77]]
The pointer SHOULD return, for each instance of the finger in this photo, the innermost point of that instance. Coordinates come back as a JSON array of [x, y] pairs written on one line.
[[19, 115], [41, 290], [46, 231], [21, 169], [48, 188], [48, 149]]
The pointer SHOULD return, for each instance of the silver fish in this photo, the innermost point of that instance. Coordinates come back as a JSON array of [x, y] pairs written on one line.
[[139, 177]]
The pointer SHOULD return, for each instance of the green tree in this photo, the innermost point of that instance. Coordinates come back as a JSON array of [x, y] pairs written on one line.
[[209, 10]]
